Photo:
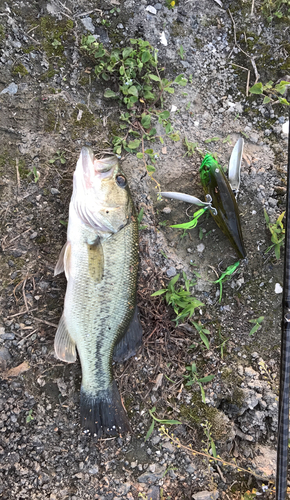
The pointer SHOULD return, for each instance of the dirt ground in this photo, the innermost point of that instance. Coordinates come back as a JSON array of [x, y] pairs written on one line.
[[43, 87]]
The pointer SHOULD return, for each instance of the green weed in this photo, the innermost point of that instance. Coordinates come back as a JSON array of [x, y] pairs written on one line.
[[271, 93], [29, 416], [58, 156], [183, 303], [135, 73], [35, 174], [257, 324], [276, 9], [209, 443], [203, 332], [189, 145], [139, 218], [278, 233], [226, 276], [160, 421], [193, 378]]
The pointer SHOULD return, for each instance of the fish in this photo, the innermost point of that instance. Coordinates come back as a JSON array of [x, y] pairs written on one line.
[[100, 259], [227, 217]]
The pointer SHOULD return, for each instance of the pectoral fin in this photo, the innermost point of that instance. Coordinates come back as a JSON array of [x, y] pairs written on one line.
[[96, 261], [63, 262], [130, 343], [59, 268], [64, 347]]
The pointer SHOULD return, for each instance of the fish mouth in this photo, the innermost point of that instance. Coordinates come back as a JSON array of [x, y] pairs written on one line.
[[102, 167]]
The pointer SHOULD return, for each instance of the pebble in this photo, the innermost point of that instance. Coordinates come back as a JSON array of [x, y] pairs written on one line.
[[158, 6], [171, 272], [33, 235], [206, 495], [54, 191], [166, 210], [285, 128], [151, 9], [7, 336], [11, 89], [88, 24], [4, 357], [200, 248], [278, 288]]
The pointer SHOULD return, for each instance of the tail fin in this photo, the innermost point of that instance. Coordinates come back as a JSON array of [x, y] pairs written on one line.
[[103, 413]]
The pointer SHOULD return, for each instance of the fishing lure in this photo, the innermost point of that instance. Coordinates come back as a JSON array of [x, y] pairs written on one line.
[[220, 198]]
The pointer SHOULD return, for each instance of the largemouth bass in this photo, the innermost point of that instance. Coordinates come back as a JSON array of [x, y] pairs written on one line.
[[227, 217], [100, 261]]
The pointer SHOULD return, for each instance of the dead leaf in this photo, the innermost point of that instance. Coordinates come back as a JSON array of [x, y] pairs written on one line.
[[158, 381], [164, 150], [18, 370]]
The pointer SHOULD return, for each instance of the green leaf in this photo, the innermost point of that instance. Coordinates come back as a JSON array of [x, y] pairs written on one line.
[[168, 128], [181, 80], [277, 251], [257, 88], [283, 101], [146, 121], [122, 70], [153, 131], [255, 329], [164, 115], [205, 380], [126, 52], [154, 77], [204, 339], [134, 144], [202, 393], [213, 448], [150, 168], [281, 87], [266, 100], [159, 292], [140, 155], [149, 151], [170, 90], [174, 280], [145, 56], [150, 430], [109, 93], [133, 91]]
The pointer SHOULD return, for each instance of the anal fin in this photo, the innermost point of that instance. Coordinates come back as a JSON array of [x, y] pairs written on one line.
[[64, 346], [130, 342]]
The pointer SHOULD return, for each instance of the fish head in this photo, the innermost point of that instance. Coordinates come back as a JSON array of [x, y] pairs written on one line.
[[101, 196]]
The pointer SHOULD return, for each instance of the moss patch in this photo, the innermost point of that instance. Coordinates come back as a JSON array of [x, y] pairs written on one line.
[[198, 412], [19, 69]]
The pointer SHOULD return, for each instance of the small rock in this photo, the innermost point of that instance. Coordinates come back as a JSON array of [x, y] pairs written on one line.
[[171, 272], [206, 495], [151, 9], [190, 469], [200, 248], [278, 288], [163, 39], [166, 210], [168, 446], [4, 358], [54, 191], [158, 6], [155, 440], [88, 24], [133, 465], [153, 493], [7, 336], [33, 235], [285, 128], [150, 477], [11, 89]]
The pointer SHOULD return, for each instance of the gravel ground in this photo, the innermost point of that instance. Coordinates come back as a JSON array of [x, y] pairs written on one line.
[[50, 101]]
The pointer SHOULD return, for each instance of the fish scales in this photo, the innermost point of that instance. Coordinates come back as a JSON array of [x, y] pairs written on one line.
[[100, 260], [104, 312]]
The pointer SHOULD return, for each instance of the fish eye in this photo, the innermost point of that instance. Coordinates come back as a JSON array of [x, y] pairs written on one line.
[[121, 181]]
